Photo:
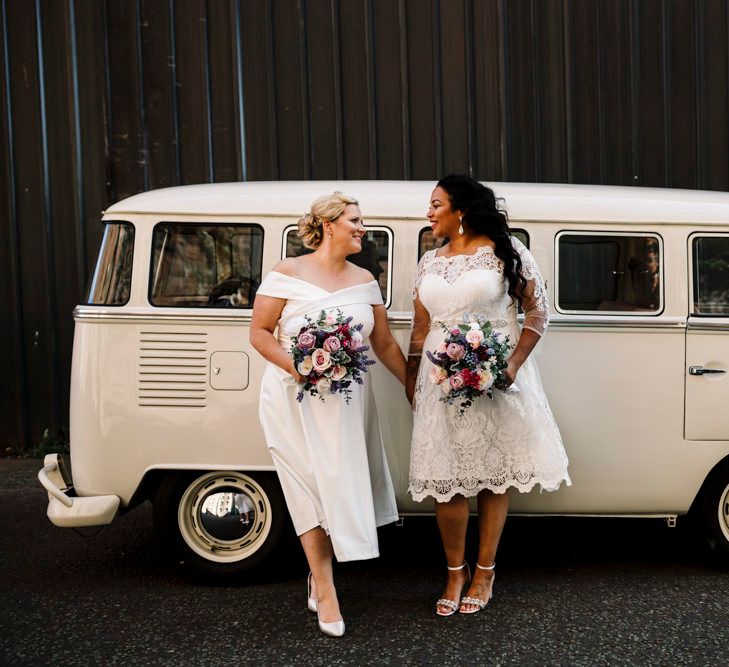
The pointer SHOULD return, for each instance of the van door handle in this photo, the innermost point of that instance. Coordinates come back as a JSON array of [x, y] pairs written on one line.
[[700, 370]]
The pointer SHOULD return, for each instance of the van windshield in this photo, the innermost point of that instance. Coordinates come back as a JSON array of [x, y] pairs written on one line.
[[112, 279]]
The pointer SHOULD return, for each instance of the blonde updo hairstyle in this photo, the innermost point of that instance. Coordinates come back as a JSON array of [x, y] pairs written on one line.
[[326, 208]]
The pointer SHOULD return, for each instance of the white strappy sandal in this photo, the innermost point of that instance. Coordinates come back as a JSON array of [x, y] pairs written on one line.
[[452, 604], [477, 602]]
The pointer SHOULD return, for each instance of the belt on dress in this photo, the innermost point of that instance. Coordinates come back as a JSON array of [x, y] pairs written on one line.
[[439, 324]]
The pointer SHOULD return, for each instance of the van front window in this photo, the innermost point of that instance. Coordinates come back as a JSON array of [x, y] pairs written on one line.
[[112, 280], [205, 265]]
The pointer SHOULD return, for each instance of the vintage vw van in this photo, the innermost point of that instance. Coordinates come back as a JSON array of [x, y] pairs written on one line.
[[164, 395]]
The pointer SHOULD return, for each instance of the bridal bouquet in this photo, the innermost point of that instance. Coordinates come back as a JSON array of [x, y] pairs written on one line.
[[469, 362], [330, 354]]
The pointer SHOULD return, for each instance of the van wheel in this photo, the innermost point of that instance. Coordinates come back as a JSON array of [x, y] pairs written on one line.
[[714, 514], [221, 525]]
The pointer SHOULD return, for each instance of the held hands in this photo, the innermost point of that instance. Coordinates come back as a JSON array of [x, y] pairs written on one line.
[[410, 394], [413, 364]]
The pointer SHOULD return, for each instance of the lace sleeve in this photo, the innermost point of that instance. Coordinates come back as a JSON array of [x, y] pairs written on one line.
[[534, 301], [424, 260]]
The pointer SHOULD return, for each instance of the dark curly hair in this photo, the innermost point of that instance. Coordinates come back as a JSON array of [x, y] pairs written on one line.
[[483, 214]]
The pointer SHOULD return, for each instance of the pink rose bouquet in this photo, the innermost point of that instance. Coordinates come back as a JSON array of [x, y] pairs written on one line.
[[330, 354], [470, 362]]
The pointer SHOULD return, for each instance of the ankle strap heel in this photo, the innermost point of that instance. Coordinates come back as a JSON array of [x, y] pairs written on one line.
[[479, 604], [460, 567], [452, 605]]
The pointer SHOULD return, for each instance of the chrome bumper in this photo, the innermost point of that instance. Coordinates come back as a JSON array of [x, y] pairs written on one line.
[[67, 512]]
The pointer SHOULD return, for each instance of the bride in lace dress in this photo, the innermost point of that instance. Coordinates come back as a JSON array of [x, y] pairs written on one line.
[[510, 441]]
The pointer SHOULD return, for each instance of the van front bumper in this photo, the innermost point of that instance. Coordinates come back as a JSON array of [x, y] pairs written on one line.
[[68, 511]]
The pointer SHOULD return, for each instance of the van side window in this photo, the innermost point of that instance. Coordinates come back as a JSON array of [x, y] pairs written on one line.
[[426, 240], [205, 265], [711, 275], [112, 279], [608, 273], [375, 255]]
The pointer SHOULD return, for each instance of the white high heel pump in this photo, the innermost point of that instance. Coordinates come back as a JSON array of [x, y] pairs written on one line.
[[311, 603], [333, 629]]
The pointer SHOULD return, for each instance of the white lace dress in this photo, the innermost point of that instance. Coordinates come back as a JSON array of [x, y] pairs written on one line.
[[511, 440]]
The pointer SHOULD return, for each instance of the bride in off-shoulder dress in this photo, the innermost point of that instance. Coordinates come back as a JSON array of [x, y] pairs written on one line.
[[329, 454]]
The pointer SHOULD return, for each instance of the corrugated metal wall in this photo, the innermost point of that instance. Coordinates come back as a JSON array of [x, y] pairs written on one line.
[[104, 98]]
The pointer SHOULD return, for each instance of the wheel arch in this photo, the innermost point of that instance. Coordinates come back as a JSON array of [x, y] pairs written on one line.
[[718, 469], [153, 478]]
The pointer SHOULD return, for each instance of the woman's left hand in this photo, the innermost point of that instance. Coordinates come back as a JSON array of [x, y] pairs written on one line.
[[509, 374], [519, 355]]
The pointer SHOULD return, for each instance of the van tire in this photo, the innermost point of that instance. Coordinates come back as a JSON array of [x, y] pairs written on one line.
[[713, 514], [217, 548]]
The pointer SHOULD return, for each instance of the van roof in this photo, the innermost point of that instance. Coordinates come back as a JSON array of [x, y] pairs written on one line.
[[409, 199]]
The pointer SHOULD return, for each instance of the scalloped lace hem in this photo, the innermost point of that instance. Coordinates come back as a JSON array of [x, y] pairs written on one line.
[[429, 488]]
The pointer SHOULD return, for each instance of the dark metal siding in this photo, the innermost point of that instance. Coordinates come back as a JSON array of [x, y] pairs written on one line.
[[102, 99]]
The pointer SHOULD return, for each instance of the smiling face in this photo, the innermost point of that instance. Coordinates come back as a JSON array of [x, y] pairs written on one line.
[[348, 229], [444, 221]]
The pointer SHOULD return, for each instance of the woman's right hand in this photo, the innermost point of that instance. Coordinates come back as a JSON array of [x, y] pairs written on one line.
[[298, 377]]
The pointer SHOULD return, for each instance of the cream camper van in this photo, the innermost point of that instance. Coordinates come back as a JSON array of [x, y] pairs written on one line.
[[164, 386]]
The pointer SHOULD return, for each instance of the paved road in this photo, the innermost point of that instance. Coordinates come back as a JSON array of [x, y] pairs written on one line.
[[568, 592]]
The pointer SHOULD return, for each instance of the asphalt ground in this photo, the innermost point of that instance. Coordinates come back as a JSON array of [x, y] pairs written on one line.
[[567, 592]]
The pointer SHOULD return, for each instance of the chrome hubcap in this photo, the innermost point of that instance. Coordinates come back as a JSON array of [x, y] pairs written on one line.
[[224, 517]]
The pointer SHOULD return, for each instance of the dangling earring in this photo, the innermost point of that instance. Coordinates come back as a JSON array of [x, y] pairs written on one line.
[[460, 225]]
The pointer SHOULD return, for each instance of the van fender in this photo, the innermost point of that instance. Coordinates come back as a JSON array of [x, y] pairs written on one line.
[[155, 474], [719, 468], [710, 512]]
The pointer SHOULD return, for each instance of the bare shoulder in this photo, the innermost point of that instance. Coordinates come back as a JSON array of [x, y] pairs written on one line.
[[360, 275], [287, 266]]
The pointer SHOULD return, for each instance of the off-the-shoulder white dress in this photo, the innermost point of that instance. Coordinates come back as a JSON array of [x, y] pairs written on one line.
[[328, 455], [511, 440]]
